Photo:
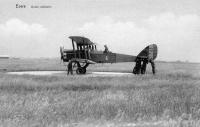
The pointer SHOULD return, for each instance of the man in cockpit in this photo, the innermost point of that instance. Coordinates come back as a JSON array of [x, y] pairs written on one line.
[[106, 49]]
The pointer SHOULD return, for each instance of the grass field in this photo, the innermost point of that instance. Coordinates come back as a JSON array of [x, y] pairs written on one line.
[[170, 98]]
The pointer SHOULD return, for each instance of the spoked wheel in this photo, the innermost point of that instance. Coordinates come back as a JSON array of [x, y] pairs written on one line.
[[80, 67], [81, 70]]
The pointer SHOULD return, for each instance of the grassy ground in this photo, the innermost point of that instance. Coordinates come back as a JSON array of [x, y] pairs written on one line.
[[171, 98]]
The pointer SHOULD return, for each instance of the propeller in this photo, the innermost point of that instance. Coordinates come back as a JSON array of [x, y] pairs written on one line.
[[61, 53]]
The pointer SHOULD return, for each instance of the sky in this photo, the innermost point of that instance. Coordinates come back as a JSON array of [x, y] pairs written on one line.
[[125, 26]]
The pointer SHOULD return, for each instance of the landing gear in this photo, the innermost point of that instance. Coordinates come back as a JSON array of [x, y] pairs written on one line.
[[80, 68]]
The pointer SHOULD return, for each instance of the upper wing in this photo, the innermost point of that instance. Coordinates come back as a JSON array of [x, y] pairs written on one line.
[[81, 40]]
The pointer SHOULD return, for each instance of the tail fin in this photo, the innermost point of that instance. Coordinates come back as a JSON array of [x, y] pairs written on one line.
[[150, 52]]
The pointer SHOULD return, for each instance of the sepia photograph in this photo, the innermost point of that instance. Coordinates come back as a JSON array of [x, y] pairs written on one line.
[[99, 63]]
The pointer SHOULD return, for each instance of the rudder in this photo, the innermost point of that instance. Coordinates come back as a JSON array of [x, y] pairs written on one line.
[[149, 52]]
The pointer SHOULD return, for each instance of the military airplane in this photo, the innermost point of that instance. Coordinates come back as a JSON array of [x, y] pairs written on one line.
[[85, 52]]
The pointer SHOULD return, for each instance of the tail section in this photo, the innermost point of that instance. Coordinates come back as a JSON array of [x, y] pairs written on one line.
[[150, 52], [147, 55]]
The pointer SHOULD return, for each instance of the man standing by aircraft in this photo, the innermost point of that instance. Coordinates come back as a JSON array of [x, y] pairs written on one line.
[[137, 68], [141, 68], [153, 66], [69, 68], [144, 66]]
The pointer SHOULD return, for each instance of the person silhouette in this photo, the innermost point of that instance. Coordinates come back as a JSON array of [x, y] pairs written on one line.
[[69, 68], [106, 49], [137, 68]]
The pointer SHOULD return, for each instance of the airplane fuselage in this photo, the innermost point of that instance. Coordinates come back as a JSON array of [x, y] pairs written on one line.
[[97, 56]]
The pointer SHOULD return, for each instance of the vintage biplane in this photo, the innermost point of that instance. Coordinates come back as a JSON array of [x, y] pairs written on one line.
[[85, 52]]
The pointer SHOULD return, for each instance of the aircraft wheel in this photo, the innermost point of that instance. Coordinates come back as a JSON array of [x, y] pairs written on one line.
[[81, 70]]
